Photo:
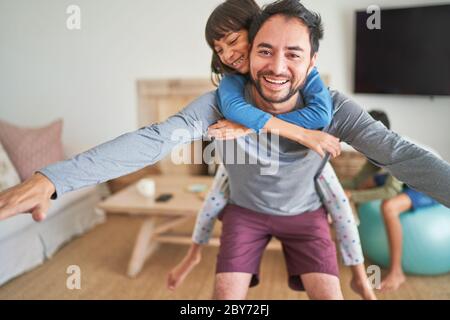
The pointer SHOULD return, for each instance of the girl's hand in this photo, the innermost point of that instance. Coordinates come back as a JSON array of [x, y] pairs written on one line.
[[228, 130], [320, 142]]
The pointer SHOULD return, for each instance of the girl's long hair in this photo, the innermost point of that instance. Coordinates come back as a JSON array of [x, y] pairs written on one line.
[[230, 16]]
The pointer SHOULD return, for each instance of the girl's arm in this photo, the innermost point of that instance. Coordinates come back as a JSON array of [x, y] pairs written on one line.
[[338, 206], [318, 110], [214, 203], [234, 107], [232, 104], [318, 141], [316, 114]]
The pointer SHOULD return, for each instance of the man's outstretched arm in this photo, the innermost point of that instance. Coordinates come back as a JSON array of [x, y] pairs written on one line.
[[415, 166], [123, 155]]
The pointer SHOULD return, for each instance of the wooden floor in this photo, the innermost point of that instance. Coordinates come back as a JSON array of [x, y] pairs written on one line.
[[103, 254]]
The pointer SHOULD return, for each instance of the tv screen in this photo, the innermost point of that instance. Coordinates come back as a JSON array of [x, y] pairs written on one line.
[[409, 54]]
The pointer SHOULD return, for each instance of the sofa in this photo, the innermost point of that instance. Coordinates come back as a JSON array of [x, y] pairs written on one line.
[[24, 243]]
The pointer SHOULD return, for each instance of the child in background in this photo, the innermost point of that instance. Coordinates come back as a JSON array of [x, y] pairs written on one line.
[[371, 183]]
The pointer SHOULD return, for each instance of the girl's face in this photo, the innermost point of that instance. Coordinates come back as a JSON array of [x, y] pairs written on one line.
[[233, 50]]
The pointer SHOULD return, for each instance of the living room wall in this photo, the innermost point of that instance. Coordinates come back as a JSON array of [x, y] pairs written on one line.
[[87, 77]]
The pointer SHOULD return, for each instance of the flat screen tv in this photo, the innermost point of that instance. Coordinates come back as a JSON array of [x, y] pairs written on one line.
[[409, 55]]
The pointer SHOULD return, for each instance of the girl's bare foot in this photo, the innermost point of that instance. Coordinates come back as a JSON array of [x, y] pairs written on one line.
[[393, 281], [177, 275], [363, 289]]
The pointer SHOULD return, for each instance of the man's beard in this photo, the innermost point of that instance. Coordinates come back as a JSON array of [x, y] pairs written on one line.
[[289, 95]]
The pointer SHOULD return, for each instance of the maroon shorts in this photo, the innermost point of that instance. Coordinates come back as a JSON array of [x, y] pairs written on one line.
[[305, 238]]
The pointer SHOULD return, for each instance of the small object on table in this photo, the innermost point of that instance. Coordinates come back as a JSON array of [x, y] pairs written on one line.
[[197, 187], [164, 197], [146, 187]]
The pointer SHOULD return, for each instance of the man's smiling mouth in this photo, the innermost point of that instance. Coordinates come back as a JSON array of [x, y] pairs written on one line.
[[275, 84], [276, 81]]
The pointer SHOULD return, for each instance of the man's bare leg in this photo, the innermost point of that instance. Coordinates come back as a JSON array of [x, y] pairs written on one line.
[[321, 286], [231, 286], [392, 209]]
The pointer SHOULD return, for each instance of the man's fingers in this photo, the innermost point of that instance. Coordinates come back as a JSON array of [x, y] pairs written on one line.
[[12, 209], [39, 212], [6, 212], [38, 216]]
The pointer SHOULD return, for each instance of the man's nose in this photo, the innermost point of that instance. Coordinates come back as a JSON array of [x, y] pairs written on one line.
[[278, 64]]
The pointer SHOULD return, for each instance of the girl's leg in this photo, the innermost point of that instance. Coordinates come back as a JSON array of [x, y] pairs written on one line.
[[360, 283], [338, 206], [392, 209], [214, 203], [181, 270]]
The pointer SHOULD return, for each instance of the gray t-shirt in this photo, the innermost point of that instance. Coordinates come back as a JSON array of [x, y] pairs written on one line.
[[290, 189]]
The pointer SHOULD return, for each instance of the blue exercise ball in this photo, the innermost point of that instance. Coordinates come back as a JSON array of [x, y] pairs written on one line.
[[426, 238]]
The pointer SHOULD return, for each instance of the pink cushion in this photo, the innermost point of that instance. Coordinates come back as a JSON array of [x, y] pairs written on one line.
[[31, 149]]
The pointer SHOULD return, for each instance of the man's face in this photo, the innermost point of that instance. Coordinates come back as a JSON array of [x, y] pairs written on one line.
[[280, 58]]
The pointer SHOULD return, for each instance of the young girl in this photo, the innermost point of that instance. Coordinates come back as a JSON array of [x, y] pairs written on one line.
[[226, 33]]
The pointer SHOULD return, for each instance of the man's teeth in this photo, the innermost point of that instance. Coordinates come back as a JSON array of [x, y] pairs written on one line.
[[275, 81], [238, 62]]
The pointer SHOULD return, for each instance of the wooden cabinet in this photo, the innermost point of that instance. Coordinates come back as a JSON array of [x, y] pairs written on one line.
[[158, 100], [348, 164]]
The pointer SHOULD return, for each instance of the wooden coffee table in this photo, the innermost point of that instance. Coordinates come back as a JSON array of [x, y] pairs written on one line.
[[182, 207]]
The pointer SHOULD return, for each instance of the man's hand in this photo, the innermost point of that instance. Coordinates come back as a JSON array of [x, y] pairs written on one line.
[[228, 130], [31, 196], [320, 142]]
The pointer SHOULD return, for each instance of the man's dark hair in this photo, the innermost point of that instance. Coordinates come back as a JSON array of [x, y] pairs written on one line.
[[382, 117], [290, 9]]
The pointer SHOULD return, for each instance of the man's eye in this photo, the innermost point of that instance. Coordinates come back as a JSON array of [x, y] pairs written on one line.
[[219, 52], [294, 56]]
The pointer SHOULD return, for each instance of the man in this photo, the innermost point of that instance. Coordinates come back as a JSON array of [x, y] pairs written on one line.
[[261, 205]]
